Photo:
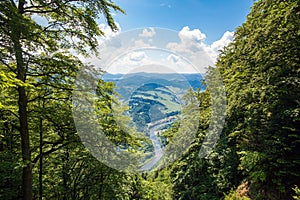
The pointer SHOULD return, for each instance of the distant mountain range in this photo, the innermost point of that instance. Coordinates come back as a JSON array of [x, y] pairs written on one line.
[[153, 96], [127, 83]]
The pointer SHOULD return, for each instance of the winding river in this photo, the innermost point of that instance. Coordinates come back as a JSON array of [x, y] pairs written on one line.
[[158, 151]]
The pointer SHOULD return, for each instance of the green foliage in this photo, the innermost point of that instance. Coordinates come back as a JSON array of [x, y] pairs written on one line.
[[260, 70], [258, 151], [37, 75], [234, 195], [260, 141], [150, 187], [297, 192], [250, 164], [194, 177]]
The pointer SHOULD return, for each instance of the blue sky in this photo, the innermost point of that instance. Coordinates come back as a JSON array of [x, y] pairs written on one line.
[[211, 17], [201, 28]]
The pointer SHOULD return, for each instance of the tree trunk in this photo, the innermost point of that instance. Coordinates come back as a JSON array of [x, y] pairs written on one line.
[[22, 104], [41, 160], [26, 154], [65, 169]]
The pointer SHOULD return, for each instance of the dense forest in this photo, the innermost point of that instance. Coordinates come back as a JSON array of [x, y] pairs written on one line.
[[42, 156]]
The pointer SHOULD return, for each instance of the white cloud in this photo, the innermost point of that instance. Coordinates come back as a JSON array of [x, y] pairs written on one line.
[[192, 46], [224, 41], [173, 58], [137, 56], [128, 62], [187, 35], [108, 33], [190, 41], [140, 43], [143, 61], [189, 53], [148, 33], [214, 49], [165, 5]]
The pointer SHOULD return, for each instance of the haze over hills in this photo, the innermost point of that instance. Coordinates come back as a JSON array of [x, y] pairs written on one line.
[[153, 96], [178, 83]]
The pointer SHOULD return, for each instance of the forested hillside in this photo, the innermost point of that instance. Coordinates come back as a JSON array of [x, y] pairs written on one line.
[[258, 155], [42, 157]]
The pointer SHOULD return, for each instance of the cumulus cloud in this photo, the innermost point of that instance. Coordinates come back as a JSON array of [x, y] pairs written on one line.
[[173, 58], [137, 56], [140, 43], [187, 52], [190, 41], [108, 33], [128, 62], [192, 45], [188, 35], [224, 41], [145, 61], [148, 33], [213, 50]]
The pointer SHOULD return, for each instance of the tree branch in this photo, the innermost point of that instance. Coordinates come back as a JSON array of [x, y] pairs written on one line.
[[49, 152]]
